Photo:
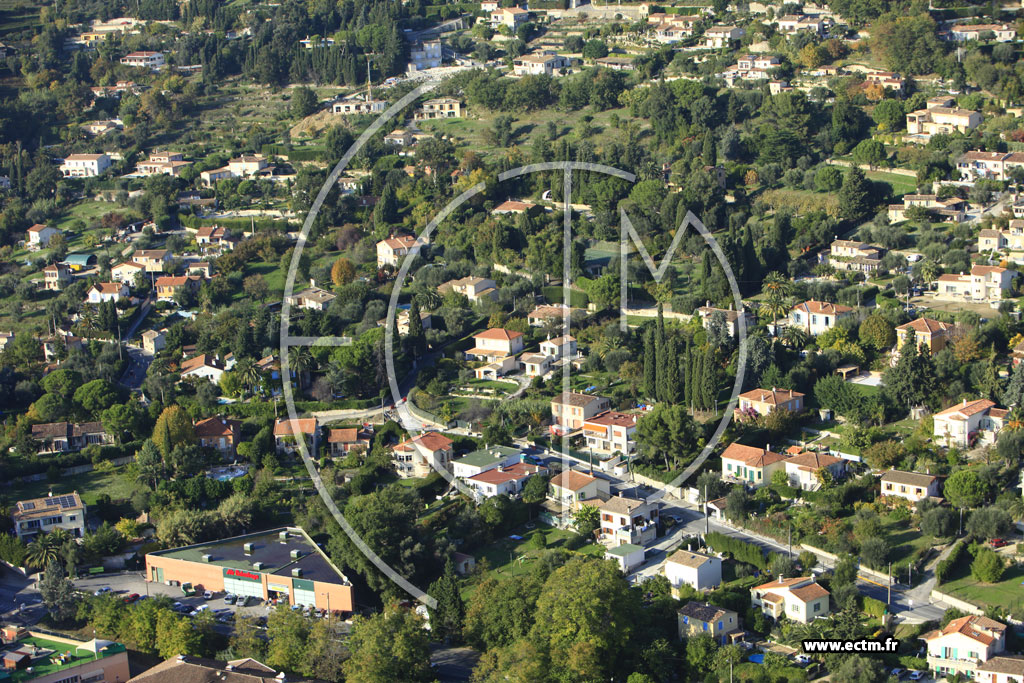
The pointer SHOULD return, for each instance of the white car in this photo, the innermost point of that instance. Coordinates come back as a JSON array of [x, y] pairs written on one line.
[[101, 591], [916, 675], [207, 595]]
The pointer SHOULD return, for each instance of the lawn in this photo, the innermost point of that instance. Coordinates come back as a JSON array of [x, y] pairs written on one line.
[[900, 184], [508, 557], [1008, 593], [89, 485], [905, 543]]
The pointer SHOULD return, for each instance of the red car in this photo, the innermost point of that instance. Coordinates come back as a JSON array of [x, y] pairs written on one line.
[[131, 597], [998, 542]]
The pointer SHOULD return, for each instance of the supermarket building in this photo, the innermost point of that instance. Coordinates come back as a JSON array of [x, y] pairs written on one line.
[[280, 563]]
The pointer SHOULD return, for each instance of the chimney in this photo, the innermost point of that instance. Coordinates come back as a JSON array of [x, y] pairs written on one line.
[[780, 578]]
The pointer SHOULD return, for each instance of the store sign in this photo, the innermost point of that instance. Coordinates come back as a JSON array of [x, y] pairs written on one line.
[[242, 574], [277, 588]]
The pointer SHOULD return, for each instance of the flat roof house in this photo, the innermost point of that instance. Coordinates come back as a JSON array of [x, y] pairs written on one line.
[[697, 570], [144, 59], [43, 515], [484, 460], [281, 563], [46, 657]]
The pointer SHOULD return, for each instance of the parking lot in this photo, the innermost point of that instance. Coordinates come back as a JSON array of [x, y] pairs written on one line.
[[132, 583]]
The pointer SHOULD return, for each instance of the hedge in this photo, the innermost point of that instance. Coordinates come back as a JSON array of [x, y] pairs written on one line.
[[944, 568], [739, 549], [295, 153], [244, 410]]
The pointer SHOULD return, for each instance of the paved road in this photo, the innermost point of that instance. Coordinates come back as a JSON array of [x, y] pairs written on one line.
[[138, 365], [453, 663]]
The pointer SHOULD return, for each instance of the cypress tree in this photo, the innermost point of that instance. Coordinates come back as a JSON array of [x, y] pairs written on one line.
[[671, 372], [446, 619], [709, 387], [650, 365]]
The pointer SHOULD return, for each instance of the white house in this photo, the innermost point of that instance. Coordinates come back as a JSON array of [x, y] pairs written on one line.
[[803, 470], [484, 460], [815, 317], [508, 480], [1003, 33], [424, 55], [358, 105], [1001, 670], [144, 59], [627, 520], [968, 423], [963, 645], [800, 599], [540, 64], [513, 17], [495, 343], [793, 23], [84, 165], [204, 366], [392, 250], [718, 37], [422, 454], [39, 236], [912, 486], [102, 292], [627, 555], [700, 572], [126, 272], [983, 283]]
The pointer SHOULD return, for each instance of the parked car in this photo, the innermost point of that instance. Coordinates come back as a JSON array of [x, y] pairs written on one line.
[[207, 595], [897, 672], [199, 610], [131, 597], [102, 591], [916, 675], [230, 599], [999, 542], [179, 607]]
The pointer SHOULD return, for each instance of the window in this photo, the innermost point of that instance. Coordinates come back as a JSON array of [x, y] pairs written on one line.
[[719, 624], [705, 626], [817, 607], [793, 608]]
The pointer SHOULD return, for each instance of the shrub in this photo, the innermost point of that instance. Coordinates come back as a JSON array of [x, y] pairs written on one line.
[[987, 566]]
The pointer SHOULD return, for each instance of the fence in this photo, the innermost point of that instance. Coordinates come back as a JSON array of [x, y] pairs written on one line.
[[962, 605]]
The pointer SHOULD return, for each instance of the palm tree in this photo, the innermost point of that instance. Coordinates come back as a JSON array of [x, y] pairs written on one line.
[[607, 344], [41, 552], [776, 288], [302, 363], [795, 337], [89, 319], [249, 373]]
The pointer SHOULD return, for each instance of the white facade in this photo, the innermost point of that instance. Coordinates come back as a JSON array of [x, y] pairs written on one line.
[[425, 55], [700, 572], [85, 165]]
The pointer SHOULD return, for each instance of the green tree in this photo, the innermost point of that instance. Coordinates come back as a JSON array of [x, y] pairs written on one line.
[[964, 489], [987, 566], [150, 463], [58, 593], [97, 395], [988, 523], [586, 519], [859, 669], [669, 432], [303, 101], [855, 196], [390, 646], [287, 631], [325, 651], [870, 152], [889, 115], [587, 609], [535, 490], [176, 636], [173, 428], [911, 382], [446, 619], [877, 333]]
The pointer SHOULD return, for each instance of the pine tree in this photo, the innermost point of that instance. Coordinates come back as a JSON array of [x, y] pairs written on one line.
[[708, 149], [447, 617], [58, 593]]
